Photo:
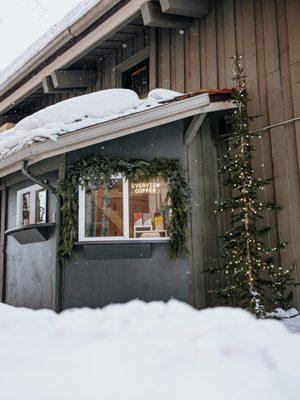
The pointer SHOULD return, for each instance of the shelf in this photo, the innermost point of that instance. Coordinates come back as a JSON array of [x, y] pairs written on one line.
[[116, 250], [32, 233]]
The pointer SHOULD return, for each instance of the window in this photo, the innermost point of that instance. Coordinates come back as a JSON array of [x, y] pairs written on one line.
[[137, 79], [120, 209], [31, 205]]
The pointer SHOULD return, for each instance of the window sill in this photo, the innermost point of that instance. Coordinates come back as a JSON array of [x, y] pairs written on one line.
[[118, 249], [32, 233], [124, 241]]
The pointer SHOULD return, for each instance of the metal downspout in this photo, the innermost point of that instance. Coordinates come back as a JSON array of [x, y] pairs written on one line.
[[53, 190], [37, 180]]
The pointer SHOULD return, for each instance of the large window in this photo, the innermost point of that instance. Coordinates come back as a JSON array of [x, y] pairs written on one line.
[[120, 209], [31, 205]]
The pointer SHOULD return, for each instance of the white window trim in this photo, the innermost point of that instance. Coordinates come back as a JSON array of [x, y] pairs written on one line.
[[125, 237], [32, 190]]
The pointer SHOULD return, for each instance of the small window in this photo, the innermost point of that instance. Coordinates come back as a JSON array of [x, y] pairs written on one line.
[[31, 205], [120, 209], [137, 79]]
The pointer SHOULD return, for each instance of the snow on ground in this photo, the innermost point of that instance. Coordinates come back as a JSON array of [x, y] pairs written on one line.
[[293, 324], [74, 15], [76, 113], [152, 351], [290, 318]]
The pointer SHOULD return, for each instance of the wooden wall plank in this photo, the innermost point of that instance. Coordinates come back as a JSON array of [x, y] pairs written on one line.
[[210, 188], [264, 146], [203, 50], [197, 215], [229, 38], [159, 58], [211, 49], [153, 59], [179, 61], [220, 48], [187, 61], [165, 59], [239, 26], [194, 57]]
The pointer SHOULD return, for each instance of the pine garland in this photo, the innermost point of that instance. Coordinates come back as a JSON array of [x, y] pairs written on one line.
[[94, 170], [252, 280]]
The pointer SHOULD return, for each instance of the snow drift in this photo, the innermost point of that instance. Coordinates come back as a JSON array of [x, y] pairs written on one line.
[[76, 113], [144, 351]]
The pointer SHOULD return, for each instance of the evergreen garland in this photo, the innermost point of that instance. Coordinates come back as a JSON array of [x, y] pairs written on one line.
[[252, 280], [94, 170]]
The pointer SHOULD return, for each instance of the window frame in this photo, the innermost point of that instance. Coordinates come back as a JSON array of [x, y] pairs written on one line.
[[32, 190], [126, 232], [131, 62]]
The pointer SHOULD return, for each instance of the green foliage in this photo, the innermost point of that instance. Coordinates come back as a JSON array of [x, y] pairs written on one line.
[[252, 280], [95, 169]]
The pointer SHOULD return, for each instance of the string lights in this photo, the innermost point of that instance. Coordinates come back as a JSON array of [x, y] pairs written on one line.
[[251, 279]]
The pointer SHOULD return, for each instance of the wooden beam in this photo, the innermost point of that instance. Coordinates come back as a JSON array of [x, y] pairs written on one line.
[[6, 126], [136, 58], [186, 8], [153, 16], [72, 79], [193, 128], [49, 88]]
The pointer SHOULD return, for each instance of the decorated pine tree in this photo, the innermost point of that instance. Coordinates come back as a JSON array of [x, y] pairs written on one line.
[[252, 279]]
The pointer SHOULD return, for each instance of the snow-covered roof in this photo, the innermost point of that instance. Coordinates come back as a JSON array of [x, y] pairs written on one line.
[[77, 113], [74, 15], [96, 118]]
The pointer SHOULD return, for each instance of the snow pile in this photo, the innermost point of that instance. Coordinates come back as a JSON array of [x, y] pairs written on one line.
[[144, 351], [76, 113], [74, 15], [292, 323], [280, 313]]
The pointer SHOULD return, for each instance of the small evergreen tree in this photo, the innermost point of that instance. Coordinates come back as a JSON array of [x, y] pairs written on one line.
[[252, 280]]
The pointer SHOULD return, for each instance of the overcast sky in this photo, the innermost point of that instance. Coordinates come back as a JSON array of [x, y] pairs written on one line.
[[24, 21]]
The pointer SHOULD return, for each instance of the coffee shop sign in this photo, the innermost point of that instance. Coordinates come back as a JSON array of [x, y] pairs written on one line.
[[145, 187]]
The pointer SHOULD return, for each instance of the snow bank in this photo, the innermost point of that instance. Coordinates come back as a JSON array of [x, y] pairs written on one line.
[[76, 113], [144, 351], [74, 15], [292, 323], [280, 313]]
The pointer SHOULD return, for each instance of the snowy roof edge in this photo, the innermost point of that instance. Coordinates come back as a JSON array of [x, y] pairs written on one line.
[[66, 29], [170, 111]]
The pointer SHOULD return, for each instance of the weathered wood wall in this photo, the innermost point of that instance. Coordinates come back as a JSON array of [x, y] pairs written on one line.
[[267, 34]]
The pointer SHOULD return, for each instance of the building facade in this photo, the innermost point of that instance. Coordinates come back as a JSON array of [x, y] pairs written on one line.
[[185, 46]]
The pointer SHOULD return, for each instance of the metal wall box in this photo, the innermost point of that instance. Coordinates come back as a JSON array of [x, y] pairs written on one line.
[[31, 233], [116, 251]]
